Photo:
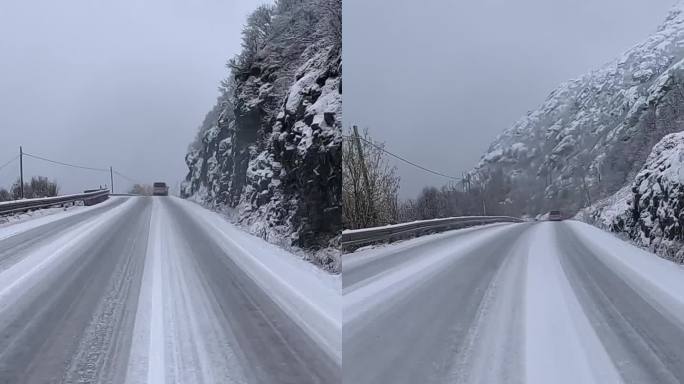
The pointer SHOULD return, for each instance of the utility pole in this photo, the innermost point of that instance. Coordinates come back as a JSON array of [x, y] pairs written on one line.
[[484, 195], [21, 171], [364, 171], [111, 178]]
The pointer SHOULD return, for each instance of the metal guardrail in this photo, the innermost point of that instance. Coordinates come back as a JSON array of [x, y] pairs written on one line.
[[87, 197], [353, 239]]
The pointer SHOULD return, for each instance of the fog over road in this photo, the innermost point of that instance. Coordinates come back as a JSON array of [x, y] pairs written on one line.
[[139, 290], [514, 303]]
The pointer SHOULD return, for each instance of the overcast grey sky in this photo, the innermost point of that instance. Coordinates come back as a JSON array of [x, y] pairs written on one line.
[[123, 83], [437, 80]]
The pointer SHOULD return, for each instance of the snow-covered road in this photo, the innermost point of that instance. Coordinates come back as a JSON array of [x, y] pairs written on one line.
[[522, 303], [159, 290]]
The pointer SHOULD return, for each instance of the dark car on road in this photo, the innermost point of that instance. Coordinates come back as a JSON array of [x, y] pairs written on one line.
[[160, 189], [555, 216]]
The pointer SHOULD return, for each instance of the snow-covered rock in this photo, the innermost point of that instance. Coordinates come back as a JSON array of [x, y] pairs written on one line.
[[650, 210], [271, 147], [593, 134]]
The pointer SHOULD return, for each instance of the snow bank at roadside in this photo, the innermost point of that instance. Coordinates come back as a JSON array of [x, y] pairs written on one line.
[[660, 279], [45, 199], [28, 221], [21, 217], [309, 295]]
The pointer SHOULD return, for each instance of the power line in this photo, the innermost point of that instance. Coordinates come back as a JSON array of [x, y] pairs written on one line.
[[80, 166], [66, 164], [9, 162], [127, 178], [404, 159]]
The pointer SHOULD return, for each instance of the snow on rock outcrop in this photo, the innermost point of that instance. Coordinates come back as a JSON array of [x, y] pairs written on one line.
[[650, 210], [270, 150], [593, 134], [604, 212]]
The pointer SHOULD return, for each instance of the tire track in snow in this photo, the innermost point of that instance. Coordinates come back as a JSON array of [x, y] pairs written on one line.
[[419, 335], [56, 292], [269, 345], [141, 292], [147, 356], [16, 244], [359, 267], [644, 344], [494, 349], [54, 257], [105, 344], [203, 348], [561, 344], [179, 336], [156, 372]]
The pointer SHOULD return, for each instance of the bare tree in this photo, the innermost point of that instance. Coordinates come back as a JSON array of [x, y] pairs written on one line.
[[375, 204], [5, 195], [431, 204], [480, 194], [141, 189], [332, 19], [38, 187], [254, 36]]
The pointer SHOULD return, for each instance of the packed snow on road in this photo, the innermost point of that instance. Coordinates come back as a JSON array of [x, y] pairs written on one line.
[[151, 290], [547, 302]]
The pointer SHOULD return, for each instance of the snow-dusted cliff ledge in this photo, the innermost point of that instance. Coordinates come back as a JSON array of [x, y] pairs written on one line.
[[650, 211], [269, 151]]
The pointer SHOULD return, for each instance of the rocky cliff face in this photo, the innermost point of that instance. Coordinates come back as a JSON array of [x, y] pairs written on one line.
[[650, 210], [270, 150], [592, 135]]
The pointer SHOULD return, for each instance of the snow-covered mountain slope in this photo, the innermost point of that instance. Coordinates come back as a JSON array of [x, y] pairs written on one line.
[[593, 134], [651, 209], [271, 147]]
